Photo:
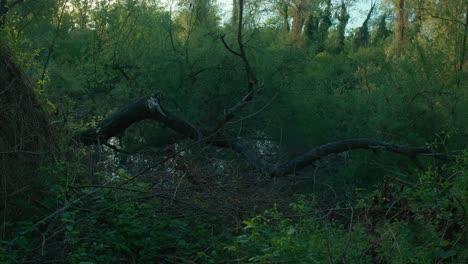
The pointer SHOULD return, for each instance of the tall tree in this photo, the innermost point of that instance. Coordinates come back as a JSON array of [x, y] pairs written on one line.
[[201, 10], [311, 28], [382, 32], [299, 9], [325, 24], [54, 40], [465, 35], [448, 21], [235, 13], [401, 21], [284, 12], [343, 19], [362, 35], [418, 17]]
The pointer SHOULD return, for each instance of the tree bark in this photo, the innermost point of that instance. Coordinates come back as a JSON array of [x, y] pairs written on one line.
[[201, 9], [235, 13], [324, 26], [285, 16], [298, 19], [149, 107], [319, 152], [400, 28], [343, 21], [362, 36], [463, 47], [249, 71]]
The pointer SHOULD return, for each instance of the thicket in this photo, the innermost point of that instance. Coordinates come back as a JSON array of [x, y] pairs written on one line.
[[154, 195]]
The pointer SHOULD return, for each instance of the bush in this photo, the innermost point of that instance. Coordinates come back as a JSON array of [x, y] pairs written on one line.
[[415, 223]]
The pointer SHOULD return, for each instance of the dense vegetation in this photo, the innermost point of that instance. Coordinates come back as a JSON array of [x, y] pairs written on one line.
[[203, 131]]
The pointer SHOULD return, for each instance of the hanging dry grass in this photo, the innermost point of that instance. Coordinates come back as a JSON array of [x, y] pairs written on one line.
[[24, 134]]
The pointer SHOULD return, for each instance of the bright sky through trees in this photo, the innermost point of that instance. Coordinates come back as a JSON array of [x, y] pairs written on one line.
[[358, 10], [161, 131]]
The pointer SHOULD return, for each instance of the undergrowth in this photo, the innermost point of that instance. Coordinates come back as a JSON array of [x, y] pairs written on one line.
[[399, 222]]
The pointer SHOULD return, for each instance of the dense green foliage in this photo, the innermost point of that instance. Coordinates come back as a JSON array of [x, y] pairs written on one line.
[[151, 195], [400, 223]]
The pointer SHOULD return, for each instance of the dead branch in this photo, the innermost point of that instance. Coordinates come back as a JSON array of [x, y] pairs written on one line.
[[229, 48], [150, 107], [322, 151], [147, 107], [250, 73]]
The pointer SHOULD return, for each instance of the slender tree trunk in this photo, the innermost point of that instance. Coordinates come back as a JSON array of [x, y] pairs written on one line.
[[324, 26], [52, 45], [418, 19], [235, 13], [201, 8], [298, 19], [400, 28], [285, 16], [343, 21], [3, 12], [463, 47], [362, 36]]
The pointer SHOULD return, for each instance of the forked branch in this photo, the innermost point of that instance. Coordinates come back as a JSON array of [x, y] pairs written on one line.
[[250, 73], [150, 108], [324, 150]]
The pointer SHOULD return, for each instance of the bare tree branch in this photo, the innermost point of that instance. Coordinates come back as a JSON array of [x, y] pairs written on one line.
[[319, 152], [147, 107], [229, 48], [251, 77], [54, 40], [150, 107], [443, 18]]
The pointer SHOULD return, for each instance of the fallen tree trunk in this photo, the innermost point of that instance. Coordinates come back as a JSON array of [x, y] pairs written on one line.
[[149, 107], [321, 151]]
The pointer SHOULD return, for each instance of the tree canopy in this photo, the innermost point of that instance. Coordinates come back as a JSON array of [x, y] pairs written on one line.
[[204, 131]]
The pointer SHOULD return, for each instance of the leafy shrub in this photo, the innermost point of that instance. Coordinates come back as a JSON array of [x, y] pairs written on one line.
[[419, 223]]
